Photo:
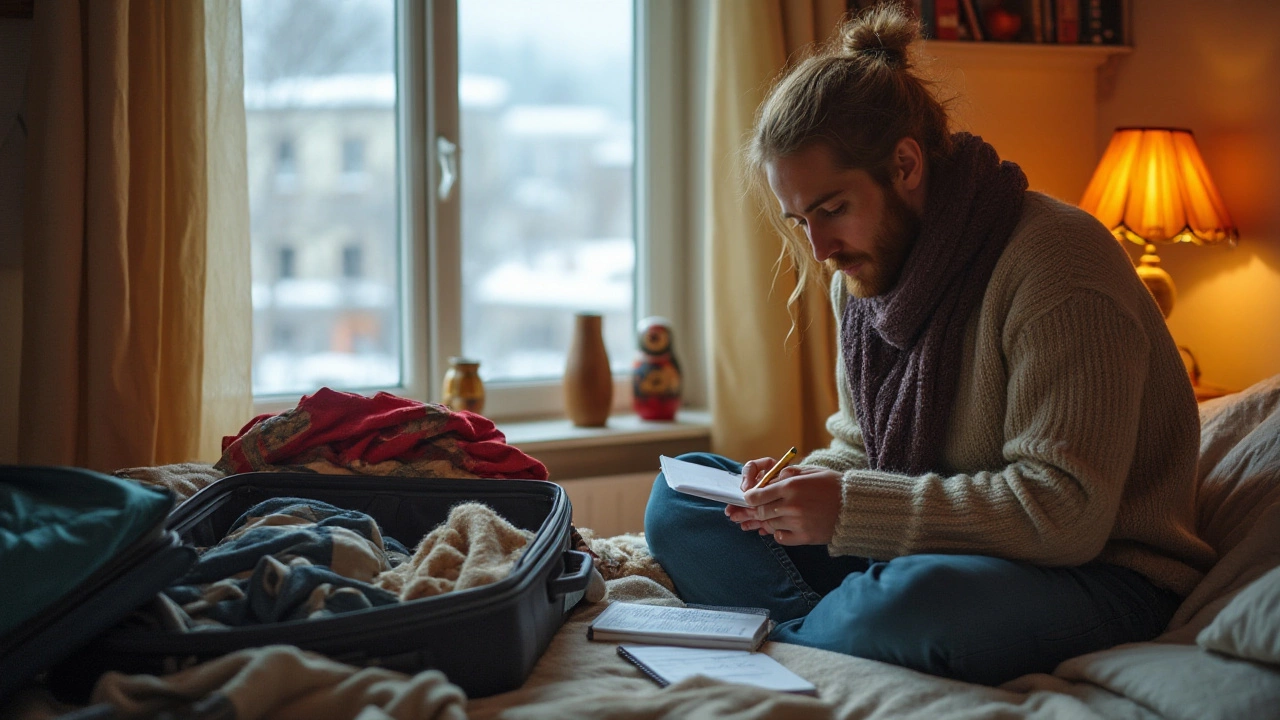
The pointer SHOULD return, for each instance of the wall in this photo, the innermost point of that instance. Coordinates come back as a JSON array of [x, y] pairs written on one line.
[[15, 44], [1206, 66], [1213, 68], [1034, 103]]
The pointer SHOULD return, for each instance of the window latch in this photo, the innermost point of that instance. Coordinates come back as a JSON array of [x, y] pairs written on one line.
[[447, 154]]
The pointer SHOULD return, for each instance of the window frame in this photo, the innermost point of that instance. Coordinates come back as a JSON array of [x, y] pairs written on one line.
[[430, 227]]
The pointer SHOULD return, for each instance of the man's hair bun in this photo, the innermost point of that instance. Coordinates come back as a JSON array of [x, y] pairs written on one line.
[[881, 33]]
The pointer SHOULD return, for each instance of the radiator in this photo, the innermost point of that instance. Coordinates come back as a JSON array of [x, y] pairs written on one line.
[[610, 505]]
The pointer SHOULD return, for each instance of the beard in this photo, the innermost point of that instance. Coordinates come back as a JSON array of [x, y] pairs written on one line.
[[889, 249]]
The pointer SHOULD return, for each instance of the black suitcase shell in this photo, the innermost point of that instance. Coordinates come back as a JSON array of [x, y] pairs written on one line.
[[485, 639]]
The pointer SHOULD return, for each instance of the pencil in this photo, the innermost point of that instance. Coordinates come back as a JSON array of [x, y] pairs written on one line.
[[777, 468]]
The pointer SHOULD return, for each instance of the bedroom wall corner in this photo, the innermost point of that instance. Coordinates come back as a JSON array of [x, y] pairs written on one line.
[[15, 46], [1207, 67]]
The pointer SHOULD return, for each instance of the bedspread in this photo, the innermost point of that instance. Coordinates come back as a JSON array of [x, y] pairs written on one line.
[[579, 678], [1175, 677]]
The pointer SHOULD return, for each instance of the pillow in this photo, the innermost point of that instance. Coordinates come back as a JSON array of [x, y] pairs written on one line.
[[1238, 500], [1249, 626], [1239, 471]]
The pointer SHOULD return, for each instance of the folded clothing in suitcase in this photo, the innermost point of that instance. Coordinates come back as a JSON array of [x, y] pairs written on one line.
[[485, 639]]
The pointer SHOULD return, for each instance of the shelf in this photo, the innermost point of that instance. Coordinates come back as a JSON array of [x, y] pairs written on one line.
[[966, 53]]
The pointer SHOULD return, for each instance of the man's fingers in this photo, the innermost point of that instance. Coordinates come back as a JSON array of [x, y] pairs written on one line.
[[752, 470], [786, 537], [772, 492]]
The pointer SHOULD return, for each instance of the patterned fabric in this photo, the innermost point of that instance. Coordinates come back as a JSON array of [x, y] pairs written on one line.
[[284, 559], [902, 349], [345, 433]]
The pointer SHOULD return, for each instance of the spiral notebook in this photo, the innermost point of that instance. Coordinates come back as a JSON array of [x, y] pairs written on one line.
[[669, 665]]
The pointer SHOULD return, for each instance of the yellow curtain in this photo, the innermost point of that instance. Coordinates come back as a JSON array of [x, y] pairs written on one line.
[[767, 393], [136, 311]]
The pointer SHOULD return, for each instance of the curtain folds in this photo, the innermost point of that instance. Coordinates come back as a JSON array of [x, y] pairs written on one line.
[[136, 311], [767, 392]]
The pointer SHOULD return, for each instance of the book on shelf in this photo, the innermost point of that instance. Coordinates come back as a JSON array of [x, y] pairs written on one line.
[[669, 665], [1060, 22], [1050, 13], [1068, 21], [924, 12], [946, 19], [1104, 22], [680, 626], [972, 21]]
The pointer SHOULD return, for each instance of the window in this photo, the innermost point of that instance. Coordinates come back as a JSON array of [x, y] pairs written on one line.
[[501, 151], [286, 167], [352, 262], [288, 260], [353, 178], [320, 76], [286, 159], [547, 133], [352, 156]]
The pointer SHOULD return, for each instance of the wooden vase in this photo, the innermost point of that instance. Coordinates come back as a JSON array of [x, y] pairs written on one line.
[[588, 381]]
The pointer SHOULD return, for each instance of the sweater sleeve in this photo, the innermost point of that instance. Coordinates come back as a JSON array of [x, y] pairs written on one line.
[[1075, 378]]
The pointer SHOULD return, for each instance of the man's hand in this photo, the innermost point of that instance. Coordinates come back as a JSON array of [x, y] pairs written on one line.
[[800, 507]]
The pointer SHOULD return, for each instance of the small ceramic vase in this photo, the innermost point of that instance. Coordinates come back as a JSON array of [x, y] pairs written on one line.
[[588, 381], [463, 389], [655, 374]]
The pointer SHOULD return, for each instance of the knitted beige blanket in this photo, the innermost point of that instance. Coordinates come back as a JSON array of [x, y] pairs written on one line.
[[474, 546]]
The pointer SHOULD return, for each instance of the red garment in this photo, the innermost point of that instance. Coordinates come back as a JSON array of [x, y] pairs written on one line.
[[333, 431]]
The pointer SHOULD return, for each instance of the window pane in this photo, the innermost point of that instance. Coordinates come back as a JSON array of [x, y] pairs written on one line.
[[320, 106], [547, 148]]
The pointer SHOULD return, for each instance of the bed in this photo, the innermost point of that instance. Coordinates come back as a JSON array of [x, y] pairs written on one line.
[[1219, 658]]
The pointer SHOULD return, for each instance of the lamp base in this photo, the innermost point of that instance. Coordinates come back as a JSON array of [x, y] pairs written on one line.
[[1159, 283]]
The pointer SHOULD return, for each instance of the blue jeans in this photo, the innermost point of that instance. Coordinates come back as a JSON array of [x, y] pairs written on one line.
[[969, 617]]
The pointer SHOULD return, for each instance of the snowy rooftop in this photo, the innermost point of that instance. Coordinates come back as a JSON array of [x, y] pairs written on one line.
[[556, 121], [376, 90], [593, 274]]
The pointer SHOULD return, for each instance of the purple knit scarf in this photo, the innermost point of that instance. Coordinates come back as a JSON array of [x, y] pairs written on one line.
[[902, 348]]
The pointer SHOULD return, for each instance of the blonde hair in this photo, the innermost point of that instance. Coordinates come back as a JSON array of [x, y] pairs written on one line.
[[856, 95]]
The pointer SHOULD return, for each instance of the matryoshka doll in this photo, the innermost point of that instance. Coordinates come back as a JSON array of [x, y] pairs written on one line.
[[655, 377]]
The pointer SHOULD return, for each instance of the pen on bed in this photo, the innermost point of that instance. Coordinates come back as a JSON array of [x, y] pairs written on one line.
[[777, 468]]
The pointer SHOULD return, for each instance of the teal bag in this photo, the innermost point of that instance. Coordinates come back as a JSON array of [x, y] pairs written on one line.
[[60, 525]]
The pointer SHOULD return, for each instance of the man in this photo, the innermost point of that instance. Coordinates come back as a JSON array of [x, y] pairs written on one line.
[[1011, 476]]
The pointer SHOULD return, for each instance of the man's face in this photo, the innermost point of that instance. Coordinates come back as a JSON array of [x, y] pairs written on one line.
[[855, 225]]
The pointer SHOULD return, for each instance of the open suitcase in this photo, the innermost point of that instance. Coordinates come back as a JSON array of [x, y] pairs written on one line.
[[485, 639]]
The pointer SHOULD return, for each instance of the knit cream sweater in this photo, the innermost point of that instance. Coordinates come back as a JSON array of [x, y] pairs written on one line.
[[1074, 433]]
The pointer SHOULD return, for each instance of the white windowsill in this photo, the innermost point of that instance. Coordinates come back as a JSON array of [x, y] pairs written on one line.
[[626, 444], [561, 434]]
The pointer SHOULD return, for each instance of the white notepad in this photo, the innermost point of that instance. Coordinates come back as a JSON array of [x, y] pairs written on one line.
[[704, 482], [691, 627], [669, 665]]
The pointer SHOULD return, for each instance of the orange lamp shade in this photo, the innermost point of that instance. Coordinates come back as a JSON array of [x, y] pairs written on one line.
[[1152, 186]]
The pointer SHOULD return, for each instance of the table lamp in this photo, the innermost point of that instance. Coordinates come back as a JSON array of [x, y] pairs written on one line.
[[1151, 186]]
